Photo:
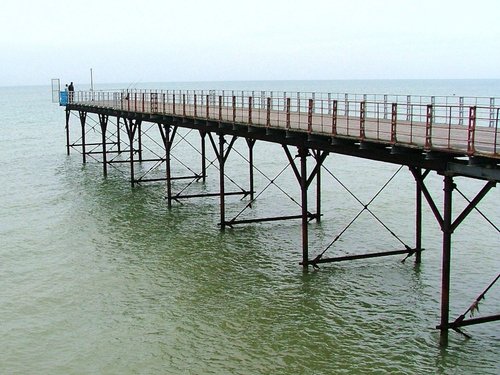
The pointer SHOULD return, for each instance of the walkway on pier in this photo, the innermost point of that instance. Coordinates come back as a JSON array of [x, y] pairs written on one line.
[[456, 125], [453, 136]]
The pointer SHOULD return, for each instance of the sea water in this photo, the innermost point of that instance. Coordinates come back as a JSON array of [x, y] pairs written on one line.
[[98, 277]]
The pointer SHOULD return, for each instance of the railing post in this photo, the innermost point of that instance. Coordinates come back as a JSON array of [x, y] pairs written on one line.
[[268, 117], [195, 112], [334, 117], [492, 112], [362, 116], [309, 115], [428, 127], [173, 103], [143, 102], [208, 106], [385, 107], [288, 100], [461, 110], [220, 107], [250, 109], [234, 109], [471, 131], [394, 117], [408, 107], [184, 104]]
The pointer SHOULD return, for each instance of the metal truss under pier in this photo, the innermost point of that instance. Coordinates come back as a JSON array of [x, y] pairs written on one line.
[[453, 139]]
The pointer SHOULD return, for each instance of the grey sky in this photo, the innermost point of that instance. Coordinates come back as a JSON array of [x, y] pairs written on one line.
[[188, 40]]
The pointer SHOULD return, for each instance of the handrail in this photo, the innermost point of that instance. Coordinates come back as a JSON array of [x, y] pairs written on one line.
[[454, 124]]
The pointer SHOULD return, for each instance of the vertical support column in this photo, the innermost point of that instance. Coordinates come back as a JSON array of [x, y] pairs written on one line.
[[131, 127], [418, 220], [68, 112], [83, 117], [168, 140], [251, 143], [139, 140], [103, 121], [319, 162], [118, 134], [203, 155], [303, 189], [446, 262], [221, 182]]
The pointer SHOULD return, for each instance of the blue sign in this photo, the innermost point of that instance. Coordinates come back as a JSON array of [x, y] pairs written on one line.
[[63, 98]]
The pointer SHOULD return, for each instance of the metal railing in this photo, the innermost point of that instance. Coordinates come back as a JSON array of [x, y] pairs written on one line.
[[451, 123]]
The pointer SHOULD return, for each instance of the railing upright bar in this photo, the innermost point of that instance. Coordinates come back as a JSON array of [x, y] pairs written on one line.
[[394, 117], [362, 115], [428, 127], [471, 130], [334, 117]]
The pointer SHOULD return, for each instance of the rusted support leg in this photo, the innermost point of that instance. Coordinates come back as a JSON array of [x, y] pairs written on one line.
[[68, 112], [167, 142], [418, 221], [251, 143], [446, 262], [83, 118], [131, 127], [303, 152], [118, 134], [203, 156], [221, 182], [319, 161], [103, 121], [139, 140]]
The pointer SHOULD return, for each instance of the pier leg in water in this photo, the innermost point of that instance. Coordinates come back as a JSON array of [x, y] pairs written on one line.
[[446, 262], [118, 135], [203, 156], [303, 153], [418, 221], [168, 139], [83, 118], [251, 143], [131, 126], [221, 182], [68, 113], [103, 121]]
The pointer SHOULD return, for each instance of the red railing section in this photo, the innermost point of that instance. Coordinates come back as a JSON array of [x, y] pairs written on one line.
[[456, 124]]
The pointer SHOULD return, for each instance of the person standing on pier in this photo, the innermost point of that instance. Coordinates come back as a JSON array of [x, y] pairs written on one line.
[[71, 90]]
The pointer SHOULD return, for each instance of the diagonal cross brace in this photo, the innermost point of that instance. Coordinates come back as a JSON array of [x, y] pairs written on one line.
[[471, 206], [319, 162]]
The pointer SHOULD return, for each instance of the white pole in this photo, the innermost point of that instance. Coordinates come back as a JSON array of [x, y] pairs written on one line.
[[91, 81]]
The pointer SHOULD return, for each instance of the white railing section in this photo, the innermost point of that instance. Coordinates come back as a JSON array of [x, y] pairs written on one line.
[[451, 123]]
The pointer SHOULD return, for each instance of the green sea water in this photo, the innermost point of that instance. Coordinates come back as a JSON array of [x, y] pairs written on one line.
[[97, 277]]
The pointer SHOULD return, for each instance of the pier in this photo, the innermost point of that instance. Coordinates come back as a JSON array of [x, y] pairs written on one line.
[[450, 136]]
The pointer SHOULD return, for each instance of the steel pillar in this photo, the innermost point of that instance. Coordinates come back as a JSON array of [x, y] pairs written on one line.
[[303, 153], [222, 161], [118, 134], [167, 142], [139, 140], [131, 127], [68, 113], [317, 157], [446, 261], [418, 220], [83, 117], [103, 121], [203, 156], [251, 143]]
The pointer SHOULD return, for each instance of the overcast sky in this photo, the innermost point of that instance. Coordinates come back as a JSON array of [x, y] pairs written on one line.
[[217, 40]]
